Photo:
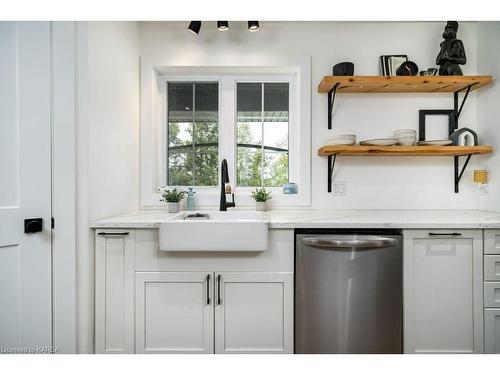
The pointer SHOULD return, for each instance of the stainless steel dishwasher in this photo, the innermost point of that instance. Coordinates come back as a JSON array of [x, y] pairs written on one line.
[[348, 291]]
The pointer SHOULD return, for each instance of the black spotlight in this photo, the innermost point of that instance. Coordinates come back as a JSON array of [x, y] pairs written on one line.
[[253, 26], [222, 25], [194, 27]]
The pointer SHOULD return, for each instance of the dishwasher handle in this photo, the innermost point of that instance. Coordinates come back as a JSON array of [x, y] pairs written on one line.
[[347, 243]]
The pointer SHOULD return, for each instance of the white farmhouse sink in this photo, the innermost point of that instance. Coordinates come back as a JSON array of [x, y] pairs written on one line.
[[215, 231]]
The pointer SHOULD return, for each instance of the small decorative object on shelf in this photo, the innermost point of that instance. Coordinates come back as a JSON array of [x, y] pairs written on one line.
[[261, 196], [429, 72], [408, 68], [464, 137], [343, 69], [389, 64], [172, 197], [452, 53], [452, 122]]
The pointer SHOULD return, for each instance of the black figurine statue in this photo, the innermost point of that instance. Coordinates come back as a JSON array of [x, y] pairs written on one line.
[[452, 52]]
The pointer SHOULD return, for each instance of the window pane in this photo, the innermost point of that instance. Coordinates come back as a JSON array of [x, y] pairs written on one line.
[[249, 98], [180, 164], [180, 133], [249, 170], [275, 168], [206, 160], [193, 133], [262, 135], [276, 97], [207, 102], [180, 101]]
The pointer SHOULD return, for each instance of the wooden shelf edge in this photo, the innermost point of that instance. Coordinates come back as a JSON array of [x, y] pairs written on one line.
[[404, 150], [399, 84]]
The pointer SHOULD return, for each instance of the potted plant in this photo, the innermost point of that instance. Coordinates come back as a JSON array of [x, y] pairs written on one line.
[[172, 197], [261, 196]]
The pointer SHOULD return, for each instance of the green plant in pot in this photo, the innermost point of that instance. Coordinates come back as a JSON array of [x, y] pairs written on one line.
[[261, 196], [172, 197]]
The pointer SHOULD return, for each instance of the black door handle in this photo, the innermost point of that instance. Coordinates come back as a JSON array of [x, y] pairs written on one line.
[[208, 289], [33, 225], [219, 300]]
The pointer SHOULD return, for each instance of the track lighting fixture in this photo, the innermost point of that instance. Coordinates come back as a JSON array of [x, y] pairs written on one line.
[[222, 25], [253, 26], [194, 27]]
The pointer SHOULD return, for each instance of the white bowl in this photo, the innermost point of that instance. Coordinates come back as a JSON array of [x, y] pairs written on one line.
[[342, 139], [348, 136], [341, 142], [407, 141], [404, 133]]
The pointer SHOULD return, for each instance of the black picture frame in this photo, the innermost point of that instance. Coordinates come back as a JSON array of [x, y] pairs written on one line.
[[452, 124]]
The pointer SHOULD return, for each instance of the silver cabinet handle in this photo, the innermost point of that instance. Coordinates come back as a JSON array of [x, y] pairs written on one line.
[[343, 243], [208, 289], [113, 233], [219, 300]]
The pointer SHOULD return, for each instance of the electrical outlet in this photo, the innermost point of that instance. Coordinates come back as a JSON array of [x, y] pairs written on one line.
[[339, 189], [484, 189]]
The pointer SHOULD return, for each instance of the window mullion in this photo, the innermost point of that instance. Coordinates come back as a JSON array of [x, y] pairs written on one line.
[[262, 130], [192, 132]]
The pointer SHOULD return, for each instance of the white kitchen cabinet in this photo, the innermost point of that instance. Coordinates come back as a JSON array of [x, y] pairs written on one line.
[[151, 301], [443, 307], [492, 331], [114, 291], [174, 312], [254, 312]]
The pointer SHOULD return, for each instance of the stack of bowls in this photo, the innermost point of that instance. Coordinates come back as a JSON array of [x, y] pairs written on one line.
[[342, 139], [405, 137]]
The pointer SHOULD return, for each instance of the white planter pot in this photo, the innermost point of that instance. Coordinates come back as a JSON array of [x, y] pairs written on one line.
[[173, 207], [260, 206]]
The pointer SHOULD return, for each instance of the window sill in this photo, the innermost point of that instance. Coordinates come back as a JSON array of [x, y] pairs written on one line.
[[208, 198]]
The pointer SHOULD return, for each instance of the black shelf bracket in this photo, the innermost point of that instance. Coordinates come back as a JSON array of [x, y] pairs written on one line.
[[456, 108], [331, 166], [331, 101], [458, 175]]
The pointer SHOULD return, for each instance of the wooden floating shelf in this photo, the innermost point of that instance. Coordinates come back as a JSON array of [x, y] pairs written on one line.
[[404, 150], [399, 84]]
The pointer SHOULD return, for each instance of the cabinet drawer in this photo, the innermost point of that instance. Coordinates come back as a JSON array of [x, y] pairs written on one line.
[[492, 241], [492, 294], [492, 331], [491, 267]]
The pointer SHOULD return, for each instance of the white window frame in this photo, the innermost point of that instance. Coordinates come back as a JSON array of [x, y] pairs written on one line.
[[154, 77]]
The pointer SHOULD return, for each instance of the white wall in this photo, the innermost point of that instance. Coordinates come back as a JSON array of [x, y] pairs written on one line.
[[382, 182], [108, 143], [488, 57]]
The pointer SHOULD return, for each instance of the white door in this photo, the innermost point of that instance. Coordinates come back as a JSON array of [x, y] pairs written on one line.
[[443, 291], [174, 312], [25, 186], [253, 312]]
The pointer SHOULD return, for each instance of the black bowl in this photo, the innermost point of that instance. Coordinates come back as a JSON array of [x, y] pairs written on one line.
[[408, 68], [343, 69]]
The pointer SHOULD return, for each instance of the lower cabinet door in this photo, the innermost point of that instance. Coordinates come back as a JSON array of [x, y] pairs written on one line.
[[492, 330], [253, 312], [174, 312], [443, 296]]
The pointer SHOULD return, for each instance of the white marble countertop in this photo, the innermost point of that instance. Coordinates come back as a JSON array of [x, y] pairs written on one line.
[[309, 218]]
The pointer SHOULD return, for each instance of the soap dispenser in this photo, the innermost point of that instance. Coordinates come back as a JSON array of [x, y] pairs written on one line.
[[190, 199]]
